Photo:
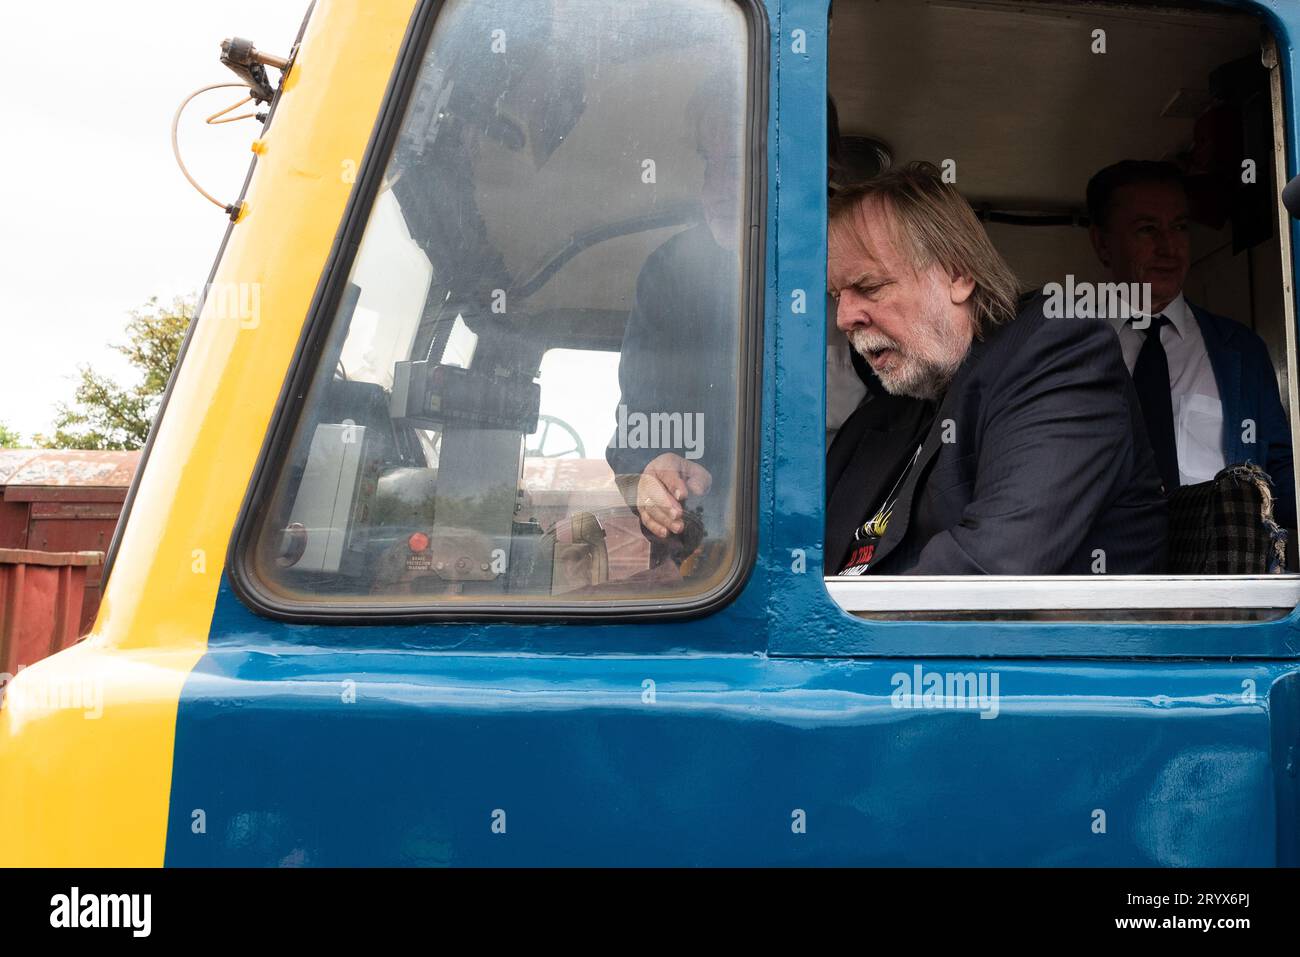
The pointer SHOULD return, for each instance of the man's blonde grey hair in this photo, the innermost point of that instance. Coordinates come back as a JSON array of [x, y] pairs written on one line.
[[934, 225]]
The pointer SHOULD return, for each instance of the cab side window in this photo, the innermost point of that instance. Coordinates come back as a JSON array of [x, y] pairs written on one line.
[[532, 389], [1124, 409]]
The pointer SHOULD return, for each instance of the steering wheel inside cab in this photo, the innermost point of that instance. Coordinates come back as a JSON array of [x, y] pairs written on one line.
[[537, 446]]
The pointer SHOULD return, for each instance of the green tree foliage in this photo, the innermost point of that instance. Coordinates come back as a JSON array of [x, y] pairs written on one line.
[[9, 439], [107, 415]]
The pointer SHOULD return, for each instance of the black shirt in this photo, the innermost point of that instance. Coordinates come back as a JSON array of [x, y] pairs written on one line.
[[868, 535]]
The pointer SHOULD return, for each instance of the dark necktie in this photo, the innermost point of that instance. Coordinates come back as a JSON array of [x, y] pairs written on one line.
[[1151, 378]]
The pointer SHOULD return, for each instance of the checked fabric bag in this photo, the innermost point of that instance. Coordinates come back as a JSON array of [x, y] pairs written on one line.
[[1225, 526]]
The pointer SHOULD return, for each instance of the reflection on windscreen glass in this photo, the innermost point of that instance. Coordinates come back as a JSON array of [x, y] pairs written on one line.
[[530, 387]]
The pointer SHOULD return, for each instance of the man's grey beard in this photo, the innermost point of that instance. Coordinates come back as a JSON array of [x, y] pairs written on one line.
[[919, 377]]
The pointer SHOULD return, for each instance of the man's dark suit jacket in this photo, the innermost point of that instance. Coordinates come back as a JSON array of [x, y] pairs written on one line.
[[1047, 471]]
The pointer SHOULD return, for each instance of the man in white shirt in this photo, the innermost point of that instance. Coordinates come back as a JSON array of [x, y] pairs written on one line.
[[1207, 386]]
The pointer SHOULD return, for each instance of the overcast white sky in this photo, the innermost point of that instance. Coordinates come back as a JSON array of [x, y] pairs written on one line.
[[97, 218]]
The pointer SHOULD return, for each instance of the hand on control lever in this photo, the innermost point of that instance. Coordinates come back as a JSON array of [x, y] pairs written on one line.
[[661, 493]]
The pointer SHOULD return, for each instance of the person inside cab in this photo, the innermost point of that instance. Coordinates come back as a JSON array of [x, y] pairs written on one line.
[[1002, 442], [678, 356], [1208, 390]]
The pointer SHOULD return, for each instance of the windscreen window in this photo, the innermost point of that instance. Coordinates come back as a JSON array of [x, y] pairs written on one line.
[[531, 389]]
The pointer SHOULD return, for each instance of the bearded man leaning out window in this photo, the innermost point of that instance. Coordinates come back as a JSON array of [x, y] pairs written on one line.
[[994, 440]]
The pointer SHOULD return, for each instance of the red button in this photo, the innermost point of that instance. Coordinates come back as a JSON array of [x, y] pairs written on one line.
[[418, 542]]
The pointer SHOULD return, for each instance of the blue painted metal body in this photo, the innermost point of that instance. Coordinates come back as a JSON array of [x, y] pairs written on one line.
[[708, 741]]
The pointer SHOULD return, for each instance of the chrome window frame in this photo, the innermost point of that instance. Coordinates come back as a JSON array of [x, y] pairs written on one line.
[[994, 593]]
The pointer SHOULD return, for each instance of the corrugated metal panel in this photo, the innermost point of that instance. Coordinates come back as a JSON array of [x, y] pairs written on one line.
[[41, 595], [64, 500]]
